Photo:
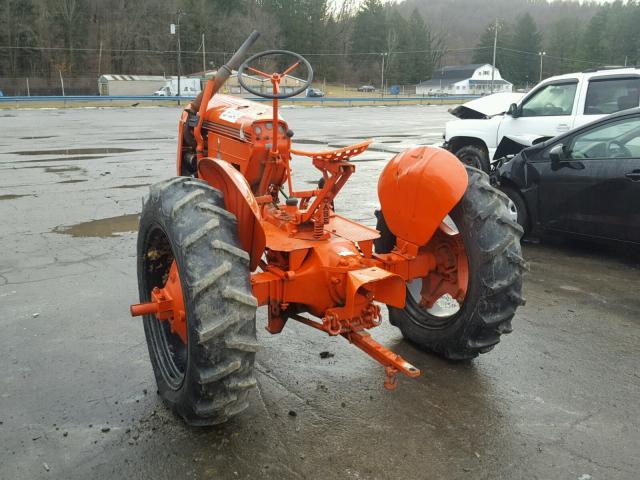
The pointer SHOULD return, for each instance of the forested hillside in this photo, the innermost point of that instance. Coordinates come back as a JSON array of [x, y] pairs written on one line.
[[80, 39]]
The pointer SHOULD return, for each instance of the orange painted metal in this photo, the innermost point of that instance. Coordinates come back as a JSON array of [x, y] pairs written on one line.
[[417, 189], [181, 126], [392, 362], [167, 304], [309, 260], [344, 153], [451, 273], [240, 201]]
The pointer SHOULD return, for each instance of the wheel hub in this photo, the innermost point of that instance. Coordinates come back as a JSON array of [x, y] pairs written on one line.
[[167, 304], [451, 275]]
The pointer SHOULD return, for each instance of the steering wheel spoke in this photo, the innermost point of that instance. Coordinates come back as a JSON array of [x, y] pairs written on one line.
[[275, 77], [259, 72], [290, 69]]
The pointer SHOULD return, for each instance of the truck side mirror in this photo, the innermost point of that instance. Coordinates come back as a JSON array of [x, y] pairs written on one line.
[[514, 111]]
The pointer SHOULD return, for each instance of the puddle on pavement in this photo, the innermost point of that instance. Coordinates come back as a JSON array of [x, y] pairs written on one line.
[[38, 138], [13, 196], [77, 151], [60, 159], [72, 181], [102, 228], [140, 139], [133, 185], [62, 169]]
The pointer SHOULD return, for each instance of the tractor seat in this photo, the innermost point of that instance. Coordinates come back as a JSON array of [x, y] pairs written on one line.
[[344, 153]]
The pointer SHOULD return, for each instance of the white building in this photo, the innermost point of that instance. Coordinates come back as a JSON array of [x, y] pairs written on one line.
[[130, 84], [474, 79]]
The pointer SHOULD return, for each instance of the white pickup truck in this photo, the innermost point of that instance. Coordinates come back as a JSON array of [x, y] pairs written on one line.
[[497, 125]]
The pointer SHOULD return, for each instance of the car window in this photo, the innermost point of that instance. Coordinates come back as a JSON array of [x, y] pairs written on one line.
[[552, 100], [613, 95], [619, 139]]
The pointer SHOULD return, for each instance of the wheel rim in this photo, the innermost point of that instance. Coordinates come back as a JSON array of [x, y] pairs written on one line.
[[439, 297], [471, 160], [171, 353], [513, 210]]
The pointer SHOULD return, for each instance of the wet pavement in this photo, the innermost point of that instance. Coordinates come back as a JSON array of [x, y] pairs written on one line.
[[556, 399]]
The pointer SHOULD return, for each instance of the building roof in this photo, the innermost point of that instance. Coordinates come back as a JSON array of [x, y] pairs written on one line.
[[452, 74], [111, 77], [488, 82], [456, 72]]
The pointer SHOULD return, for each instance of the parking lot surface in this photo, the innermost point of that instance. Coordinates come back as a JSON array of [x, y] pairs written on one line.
[[556, 399]]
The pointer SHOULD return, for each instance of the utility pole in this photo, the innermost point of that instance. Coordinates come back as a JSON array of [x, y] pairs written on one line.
[[100, 60], [204, 58], [382, 75], [179, 56], [175, 30], [542, 54], [61, 81], [495, 46], [28, 91]]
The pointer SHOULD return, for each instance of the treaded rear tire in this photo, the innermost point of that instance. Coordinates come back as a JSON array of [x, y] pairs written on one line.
[[496, 266], [184, 219]]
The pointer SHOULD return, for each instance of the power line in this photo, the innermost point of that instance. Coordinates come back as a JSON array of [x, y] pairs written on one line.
[[313, 54], [164, 52], [548, 56]]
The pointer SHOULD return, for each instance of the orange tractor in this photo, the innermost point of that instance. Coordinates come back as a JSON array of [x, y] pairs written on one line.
[[230, 234]]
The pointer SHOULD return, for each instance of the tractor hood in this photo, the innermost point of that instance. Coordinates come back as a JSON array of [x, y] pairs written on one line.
[[486, 107]]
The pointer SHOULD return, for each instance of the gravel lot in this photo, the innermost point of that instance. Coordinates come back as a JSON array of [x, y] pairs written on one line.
[[557, 399]]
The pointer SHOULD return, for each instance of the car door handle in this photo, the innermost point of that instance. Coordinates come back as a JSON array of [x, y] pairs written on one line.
[[563, 127], [633, 176]]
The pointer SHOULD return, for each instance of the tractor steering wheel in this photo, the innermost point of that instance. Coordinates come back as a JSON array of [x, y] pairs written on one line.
[[275, 77]]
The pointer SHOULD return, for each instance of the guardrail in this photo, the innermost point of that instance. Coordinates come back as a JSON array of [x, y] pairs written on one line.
[[152, 98]]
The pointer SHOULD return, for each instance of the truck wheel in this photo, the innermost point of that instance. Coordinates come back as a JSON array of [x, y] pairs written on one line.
[[206, 376], [474, 157], [463, 307]]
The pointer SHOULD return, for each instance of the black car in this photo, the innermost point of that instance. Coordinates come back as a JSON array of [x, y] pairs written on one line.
[[585, 182]]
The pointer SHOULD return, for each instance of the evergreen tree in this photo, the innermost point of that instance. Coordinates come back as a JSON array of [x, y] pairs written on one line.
[[523, 49], [564, 38], [418, 66]]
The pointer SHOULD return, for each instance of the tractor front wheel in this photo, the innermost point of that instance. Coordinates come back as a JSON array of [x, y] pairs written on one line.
[[462, 308], [204, 369]]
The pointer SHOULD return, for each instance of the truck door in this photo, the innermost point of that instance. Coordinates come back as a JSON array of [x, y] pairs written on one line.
[[548, 111]]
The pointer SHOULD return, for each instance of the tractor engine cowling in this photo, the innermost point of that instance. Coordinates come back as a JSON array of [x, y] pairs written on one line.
[[242, 133]]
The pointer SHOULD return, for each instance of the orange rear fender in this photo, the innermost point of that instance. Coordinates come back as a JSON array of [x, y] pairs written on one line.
[[239, 200], [417, 189]]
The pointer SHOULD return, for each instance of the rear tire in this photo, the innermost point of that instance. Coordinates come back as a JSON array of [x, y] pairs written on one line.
[[207, 380], [473, 156], [495, 265]]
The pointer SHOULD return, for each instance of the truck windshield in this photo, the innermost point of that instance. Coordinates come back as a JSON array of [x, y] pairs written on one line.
[[551, 100]]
